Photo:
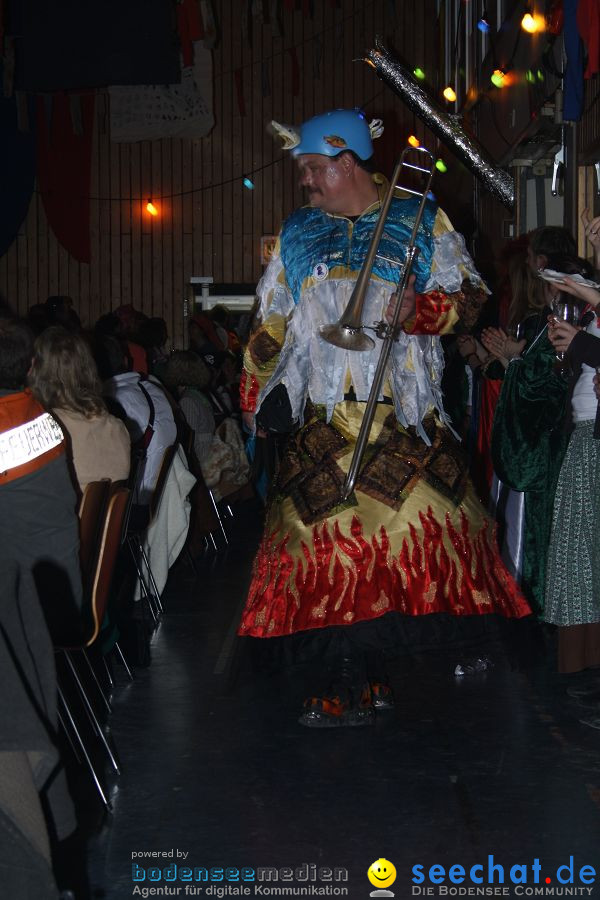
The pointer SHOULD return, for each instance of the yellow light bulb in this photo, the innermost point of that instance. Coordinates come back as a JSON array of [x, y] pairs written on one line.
[[450, 94], [151, 208], [532, 23], [414, 141]]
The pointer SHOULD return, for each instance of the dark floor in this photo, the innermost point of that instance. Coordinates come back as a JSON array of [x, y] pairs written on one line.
[[216, 767]]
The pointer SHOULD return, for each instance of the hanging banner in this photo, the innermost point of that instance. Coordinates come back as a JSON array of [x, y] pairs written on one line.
[[64, 162]]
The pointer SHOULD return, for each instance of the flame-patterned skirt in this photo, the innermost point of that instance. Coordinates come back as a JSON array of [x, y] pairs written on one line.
[[412, 539]]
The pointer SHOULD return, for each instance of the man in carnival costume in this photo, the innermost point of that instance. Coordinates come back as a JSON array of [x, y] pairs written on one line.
[[412, 540]]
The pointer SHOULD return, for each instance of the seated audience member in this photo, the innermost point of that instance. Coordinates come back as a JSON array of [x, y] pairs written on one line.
[[59, 310], [65, 380], [130, 321], [153, 336], [202, 335], [219, 451], [224, 328], [148, 414], [37, 318], [39, 569]]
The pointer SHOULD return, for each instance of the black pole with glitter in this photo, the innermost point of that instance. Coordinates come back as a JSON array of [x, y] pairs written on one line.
[[444, 126]]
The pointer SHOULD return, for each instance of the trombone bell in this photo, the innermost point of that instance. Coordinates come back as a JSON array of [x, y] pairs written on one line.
[[346, 336]]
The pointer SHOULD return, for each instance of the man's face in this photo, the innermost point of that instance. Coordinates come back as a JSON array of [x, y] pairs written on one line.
[[325, 180]]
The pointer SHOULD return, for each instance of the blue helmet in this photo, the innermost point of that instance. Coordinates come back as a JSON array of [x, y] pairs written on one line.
[[333, 132]]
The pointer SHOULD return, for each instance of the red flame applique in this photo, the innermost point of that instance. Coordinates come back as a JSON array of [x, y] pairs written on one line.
[[341, 579]]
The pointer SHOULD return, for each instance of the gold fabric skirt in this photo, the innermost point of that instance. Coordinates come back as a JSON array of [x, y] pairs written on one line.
[[413, 538]]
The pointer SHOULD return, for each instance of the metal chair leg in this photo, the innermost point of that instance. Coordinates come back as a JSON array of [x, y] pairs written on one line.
[[111, 680], [67, 734], [144, 589], [190, 561], [105, 699], [92, 714], [219, 519], [90, 765], [151, 577], [123, 660]]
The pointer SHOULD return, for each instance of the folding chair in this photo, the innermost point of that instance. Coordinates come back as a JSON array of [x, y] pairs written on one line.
[[96, 593]]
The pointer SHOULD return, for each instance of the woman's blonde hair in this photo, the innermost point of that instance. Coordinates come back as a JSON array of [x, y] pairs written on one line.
[[526, 290], [64, 374]]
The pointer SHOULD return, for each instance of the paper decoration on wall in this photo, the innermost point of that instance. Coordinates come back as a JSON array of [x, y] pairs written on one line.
[[175, 110]]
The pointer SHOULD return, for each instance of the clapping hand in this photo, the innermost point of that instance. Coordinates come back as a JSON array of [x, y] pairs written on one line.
[[499, 344]]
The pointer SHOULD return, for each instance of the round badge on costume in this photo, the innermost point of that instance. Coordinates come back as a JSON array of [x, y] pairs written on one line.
[[321, 271]]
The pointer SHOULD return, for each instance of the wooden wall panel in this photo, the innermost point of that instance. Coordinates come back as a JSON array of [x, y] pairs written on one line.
[[209, 223]]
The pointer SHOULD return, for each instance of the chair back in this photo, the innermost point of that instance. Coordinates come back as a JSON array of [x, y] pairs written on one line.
[[109, 546], [91, 511]]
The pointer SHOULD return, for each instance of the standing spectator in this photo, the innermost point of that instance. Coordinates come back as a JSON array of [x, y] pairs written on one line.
[[573, 581]]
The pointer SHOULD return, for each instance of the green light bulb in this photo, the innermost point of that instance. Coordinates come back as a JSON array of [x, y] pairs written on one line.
[[441, 165]]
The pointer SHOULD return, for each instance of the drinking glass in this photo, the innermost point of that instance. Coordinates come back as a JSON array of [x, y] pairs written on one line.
[[565, 309]]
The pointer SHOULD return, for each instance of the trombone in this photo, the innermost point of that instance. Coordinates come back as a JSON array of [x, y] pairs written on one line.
[[349, 332]]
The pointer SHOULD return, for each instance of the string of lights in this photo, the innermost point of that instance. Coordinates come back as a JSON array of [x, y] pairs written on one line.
[[530, 23], [241, 178]]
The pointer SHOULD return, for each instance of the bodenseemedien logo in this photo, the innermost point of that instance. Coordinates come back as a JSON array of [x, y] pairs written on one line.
[[381, 874]]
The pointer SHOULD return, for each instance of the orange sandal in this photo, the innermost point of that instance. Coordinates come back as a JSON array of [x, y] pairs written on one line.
[[383, 696], [332, 712]]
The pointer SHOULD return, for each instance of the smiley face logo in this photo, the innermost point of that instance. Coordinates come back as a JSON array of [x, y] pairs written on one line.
[[381, 873]]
